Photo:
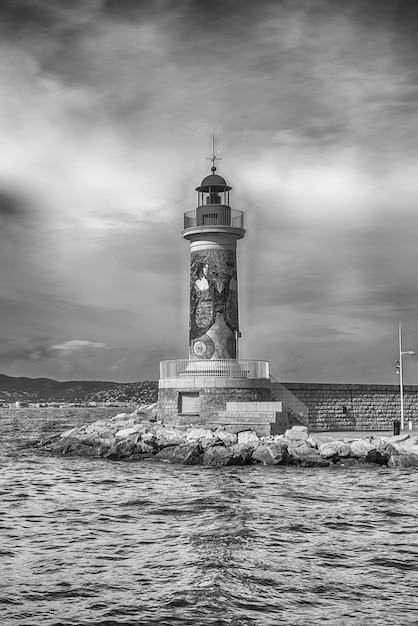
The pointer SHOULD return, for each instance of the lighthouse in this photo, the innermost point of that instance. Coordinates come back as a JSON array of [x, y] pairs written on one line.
[[213, 230], [214, 387]]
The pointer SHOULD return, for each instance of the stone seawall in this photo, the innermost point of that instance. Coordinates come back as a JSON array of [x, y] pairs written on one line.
[[355, 406]]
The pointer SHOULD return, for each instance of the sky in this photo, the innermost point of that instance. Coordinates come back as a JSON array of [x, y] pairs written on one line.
[[107, 110]]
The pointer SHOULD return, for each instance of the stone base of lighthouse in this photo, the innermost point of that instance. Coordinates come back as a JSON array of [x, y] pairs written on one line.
[[218, 396]]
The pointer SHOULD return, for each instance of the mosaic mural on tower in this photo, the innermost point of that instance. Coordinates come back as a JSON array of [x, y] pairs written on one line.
[[213, 304]]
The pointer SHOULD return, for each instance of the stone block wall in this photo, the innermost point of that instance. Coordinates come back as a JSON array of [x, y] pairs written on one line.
[[212, 401], [168, 404], [331, 406], [356, 406]]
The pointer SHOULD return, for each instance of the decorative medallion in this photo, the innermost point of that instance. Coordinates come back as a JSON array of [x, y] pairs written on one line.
[[203, 348]]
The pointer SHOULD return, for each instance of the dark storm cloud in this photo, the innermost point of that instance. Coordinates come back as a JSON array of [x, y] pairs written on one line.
[[23, 14], [222, 14], [29, 16], [279, 58], [129, 10], [11, 205], [227, 15], [401, 15], [217, 21]]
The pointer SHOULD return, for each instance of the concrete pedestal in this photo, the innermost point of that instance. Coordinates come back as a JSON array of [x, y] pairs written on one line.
[[235, 404]]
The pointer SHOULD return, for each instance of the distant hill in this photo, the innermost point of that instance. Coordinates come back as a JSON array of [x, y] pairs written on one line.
[[48, 390]]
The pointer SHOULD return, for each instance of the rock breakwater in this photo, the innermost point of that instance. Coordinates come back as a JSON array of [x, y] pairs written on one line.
[[133, 437]]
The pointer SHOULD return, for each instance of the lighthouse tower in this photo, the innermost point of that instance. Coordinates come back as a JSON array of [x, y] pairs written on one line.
[[213, 387], [213, 230]]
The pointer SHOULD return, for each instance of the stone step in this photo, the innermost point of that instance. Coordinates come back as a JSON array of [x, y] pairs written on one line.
[[261, 422], [250, 407], [259, 417]]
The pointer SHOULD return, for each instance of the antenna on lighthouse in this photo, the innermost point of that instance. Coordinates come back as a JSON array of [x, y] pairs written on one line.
[[214, 157]]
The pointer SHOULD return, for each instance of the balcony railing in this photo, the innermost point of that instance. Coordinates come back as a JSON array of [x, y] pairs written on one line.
[[229, 368], [214, 215]]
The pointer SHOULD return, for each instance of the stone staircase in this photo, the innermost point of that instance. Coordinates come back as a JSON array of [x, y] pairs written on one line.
[[264, 418], [297, 411]]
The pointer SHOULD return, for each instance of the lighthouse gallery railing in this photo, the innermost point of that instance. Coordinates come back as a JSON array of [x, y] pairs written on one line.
[[216, 367], [214, 215]]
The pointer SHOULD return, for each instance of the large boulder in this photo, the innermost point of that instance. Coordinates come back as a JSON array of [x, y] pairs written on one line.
[[118, 423], [410, 443], [306, 456], [96, 432], [217, 456], [168, 437], [413, 449], [149, 438], [120, 450], [313, 459], [398, 438], [197, 434], [85, 451], [378, 456], [241, 454], [387, 448], [295, 447], [297, 433], [349, 461], [361, 448], [271, 454], [248, 437], [88, 440], [68, 445], [334, 449], [124, 433], [229, 439], [166, 443], [207, 442], [142, 447], [403, 459], [139, 451], [62, 445], [187, 454], [106, 431]]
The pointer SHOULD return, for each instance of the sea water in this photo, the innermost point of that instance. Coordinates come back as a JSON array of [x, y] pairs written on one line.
[[102, 543]]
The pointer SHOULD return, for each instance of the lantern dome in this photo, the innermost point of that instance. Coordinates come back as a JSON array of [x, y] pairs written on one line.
[[212, 183]]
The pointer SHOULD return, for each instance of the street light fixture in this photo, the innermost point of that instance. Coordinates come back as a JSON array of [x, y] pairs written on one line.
[[399, 369]]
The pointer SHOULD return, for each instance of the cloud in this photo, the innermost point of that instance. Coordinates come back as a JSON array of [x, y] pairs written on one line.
[[11, 205], [107, 113], [76, 345], [325, 333]]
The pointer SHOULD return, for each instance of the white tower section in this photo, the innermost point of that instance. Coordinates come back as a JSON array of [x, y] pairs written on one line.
[[213, 229]]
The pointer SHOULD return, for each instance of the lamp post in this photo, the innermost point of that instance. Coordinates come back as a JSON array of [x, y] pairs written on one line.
[[400, 371]]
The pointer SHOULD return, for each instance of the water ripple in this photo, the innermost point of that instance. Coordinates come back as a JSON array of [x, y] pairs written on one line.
[[91, 543]]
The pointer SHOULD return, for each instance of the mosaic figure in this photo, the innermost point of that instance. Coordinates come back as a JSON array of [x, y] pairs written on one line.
[[202, 310], [213, 305]]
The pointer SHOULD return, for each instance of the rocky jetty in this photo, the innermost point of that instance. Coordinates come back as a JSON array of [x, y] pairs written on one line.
[[133, 437]]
